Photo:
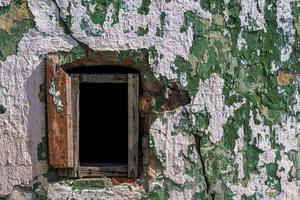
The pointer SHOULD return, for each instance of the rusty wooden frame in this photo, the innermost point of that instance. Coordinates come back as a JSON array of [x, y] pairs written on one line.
[[59, 115]]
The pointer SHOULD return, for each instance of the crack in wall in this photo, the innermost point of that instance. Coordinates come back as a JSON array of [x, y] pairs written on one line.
[[67, 28], [198, 139], [198, 149]]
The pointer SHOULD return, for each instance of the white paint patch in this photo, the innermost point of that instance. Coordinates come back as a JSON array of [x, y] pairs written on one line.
[[241, 41], [285, 24], [4, 2], [290, 190], [255, 184], [183, 79], [252, 15], [58, 191], [260, 133], [23, 125], [267, 157], [186, 194], [121, 37], [287, 132], [239, 160], [210, 97], [169, 146], [286, 135], [226, 11]]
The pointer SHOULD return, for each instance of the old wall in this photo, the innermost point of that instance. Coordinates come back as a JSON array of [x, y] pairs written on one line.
[[238, 138]]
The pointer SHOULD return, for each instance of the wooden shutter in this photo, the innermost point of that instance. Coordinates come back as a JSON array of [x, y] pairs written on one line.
[[133, 124], [59, 117]]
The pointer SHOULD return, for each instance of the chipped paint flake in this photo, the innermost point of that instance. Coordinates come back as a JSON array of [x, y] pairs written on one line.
[[252, 15], [285, 24], [210, 97], [4, 2], [55, 96], [169, 146]]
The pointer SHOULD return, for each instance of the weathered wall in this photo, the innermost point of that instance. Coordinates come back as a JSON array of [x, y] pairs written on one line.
[[238, 59]]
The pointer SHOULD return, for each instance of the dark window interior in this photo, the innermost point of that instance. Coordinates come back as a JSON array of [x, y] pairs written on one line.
[[103, 125]]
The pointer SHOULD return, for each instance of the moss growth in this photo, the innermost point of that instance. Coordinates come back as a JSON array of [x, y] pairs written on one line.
[[201, 195], [42, 149], [158, 193], [144, 8], [75, 54], [41, 194], [142, 31], [213, 6], [100, 8], [15, 20], [252, 197], [273, 180], [160, 30], [85, 184], [68, 18]]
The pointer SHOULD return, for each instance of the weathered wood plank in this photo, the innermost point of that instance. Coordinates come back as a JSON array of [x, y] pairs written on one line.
[[60, 133], [73, 172], [108, 171], [133, 124], [103, 78]]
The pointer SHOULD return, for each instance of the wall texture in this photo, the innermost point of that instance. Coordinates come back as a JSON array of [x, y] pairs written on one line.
[[239, 60]]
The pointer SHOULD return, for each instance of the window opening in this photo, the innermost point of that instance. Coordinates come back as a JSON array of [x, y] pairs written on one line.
[[103, 124]]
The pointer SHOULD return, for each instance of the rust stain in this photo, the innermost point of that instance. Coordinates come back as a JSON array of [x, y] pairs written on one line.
[[151, 172], [265, 111], [284, 78], [118, 181], [176, 98], [145, 104], [58, 123]]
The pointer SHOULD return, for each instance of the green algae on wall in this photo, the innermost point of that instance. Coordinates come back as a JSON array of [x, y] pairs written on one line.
[[75, 54], [88, 184], [160, 30], [142, 31], [158, 192], [15, 20], [144, 7], [100, 8], [42, 150]]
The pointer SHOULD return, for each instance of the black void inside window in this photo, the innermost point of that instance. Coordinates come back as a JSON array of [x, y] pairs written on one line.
[[103, 124]]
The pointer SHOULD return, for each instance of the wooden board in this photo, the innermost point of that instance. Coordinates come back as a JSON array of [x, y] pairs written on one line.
[[59, 119], [109, 171], [133, 124], [73, 172], [102, 78]]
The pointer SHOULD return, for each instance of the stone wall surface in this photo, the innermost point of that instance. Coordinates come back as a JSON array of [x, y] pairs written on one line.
[[239, 60]]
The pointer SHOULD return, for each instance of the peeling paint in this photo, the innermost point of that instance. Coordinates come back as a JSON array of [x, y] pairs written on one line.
[[55, 96], [238, 62]]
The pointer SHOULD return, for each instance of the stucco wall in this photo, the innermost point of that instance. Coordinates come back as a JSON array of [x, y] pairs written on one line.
[[238, 59]]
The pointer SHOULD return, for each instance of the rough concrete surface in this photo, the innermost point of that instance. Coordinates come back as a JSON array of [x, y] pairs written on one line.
[[239, 60]]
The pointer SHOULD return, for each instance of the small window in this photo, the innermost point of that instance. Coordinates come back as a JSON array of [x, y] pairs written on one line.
[[103, 124], [93, 122]]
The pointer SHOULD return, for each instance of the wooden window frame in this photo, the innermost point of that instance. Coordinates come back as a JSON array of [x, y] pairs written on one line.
[[132, 81], [63, 121]]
